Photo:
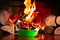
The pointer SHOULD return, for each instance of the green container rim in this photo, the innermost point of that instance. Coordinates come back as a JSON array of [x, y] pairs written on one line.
[[27, 33]]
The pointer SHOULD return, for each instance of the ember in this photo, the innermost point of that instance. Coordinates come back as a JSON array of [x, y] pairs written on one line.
[[27, 22], [26, 25]]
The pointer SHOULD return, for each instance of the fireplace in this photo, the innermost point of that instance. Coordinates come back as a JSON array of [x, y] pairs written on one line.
[[43, 9]]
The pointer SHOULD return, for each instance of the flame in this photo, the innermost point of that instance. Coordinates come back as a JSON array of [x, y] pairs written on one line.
[[29, 9], [13, 19], [42, 36], [43, 27], [11, 23]]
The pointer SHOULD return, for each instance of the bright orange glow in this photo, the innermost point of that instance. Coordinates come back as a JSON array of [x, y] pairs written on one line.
[[29, 9], [10, 20], [12, 23], [13, 19], [42, 36], [43, 27], [37, 12]]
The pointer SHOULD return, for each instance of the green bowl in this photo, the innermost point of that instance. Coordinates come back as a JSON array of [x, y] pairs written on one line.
[[27, 33]]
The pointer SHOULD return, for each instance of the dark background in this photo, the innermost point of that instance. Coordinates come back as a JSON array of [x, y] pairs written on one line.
[[53, 6]]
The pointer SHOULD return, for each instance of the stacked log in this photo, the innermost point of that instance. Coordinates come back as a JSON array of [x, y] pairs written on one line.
[[4, 15], [50, 20], [6, 25], [52, 23], [58, 20]]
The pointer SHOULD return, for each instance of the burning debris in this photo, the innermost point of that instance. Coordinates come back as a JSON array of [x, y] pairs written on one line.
[[27, 26], [27, 21]]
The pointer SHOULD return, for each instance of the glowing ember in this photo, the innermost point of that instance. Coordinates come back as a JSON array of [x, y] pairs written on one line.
[[29, 9], [11, 23], [13, 19], [42, 36], [43, 27]]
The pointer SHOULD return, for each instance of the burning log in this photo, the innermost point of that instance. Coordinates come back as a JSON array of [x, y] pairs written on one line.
[[27, 19], [27, 25]]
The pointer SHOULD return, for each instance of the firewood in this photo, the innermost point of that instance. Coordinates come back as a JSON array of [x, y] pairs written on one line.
[[50, 20], [58, 20], [57, 31]]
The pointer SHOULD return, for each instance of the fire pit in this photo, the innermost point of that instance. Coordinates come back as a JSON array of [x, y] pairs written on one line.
[[27, 27]]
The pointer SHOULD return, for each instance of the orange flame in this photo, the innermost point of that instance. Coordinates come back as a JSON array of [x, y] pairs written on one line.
[[12, 23], [42, 36], [43, 27], [29, 9], [13, 19]]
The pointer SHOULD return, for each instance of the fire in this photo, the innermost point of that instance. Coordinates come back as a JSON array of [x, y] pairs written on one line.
[[30, 8], [11, 23], [13, 19], [43, 27], [42, 36]]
